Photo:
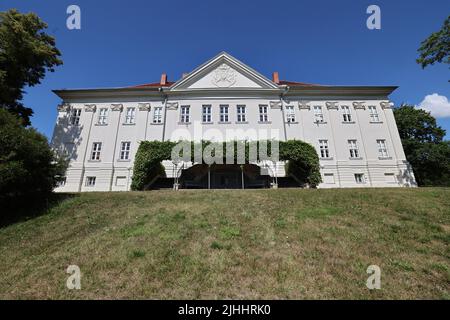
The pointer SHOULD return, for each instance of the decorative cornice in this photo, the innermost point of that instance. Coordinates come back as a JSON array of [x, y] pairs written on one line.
[[144, 106], [275, 104], [90, 107], [117, 107], [172, 105], [332, 105], [304, 105], [63, 107], [386, 104], [359, 105]]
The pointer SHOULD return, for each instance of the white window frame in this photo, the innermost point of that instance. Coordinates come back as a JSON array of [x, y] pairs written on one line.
[[206, 113], [125, 148], [90, 181], [75, 115], [360, 178], [157, 115], [374, 116], [290, 114], [185, 114], [130, 116], [324, 149], [346, 114], [241, 110], [103, 116], [382, 148], [96, 151], [224, 113], [353, 148], [318, 114], [263, 113]]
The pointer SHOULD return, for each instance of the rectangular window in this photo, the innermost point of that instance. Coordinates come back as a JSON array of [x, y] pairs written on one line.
[[157, 115], [328, 178], [389, 177], [241, 115], [290, 114], [90, 181], [347, 116], [359, 178], [121, 181], [318, 115], [353, 148], [382, 149], [223, 113], [184, 115], [102, 116], [130, 115], [374, 114], [263, 117], [96, 148], [206, 113], [324, 151], [125, 147], [75, 117]]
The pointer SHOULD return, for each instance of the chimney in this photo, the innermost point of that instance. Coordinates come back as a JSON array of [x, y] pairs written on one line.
[[184, 75], [163, 81], [275, 77]]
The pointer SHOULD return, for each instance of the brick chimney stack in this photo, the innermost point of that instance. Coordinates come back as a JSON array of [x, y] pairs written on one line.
[[275, 77], [163, 81]]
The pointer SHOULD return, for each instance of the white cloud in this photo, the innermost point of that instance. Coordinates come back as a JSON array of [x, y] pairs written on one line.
[[437, 105]]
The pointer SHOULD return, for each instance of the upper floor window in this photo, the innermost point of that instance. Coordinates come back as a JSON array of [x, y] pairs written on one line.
[[382, 149], [184, 115], [130, 115], [324, 151], [96, 149], [75, 116], [353, 148], [157, 115], [374, 114], [90, 181], [263, 116], [125, 147], [223, 113], [103, 116], [347, 116], [290, 114], [318, 115], [206, 113], [241, 115]]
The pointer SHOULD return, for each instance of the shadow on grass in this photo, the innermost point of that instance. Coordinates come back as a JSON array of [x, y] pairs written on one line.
[[25, 208]]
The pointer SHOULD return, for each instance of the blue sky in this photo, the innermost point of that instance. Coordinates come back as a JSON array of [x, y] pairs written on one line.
[[327, 42]]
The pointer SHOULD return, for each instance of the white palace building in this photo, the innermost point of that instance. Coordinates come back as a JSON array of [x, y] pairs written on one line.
[[352, 128]]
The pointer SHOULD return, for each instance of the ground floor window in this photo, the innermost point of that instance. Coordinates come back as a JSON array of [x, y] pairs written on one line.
[[90, 181], [359, 178], [121, 181], [328, 178]]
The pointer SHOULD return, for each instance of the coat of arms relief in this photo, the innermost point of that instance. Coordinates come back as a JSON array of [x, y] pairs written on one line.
[[224, 76]]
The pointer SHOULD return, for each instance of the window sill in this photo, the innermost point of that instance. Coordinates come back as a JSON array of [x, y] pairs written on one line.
[[358, 158], [94, 160], [348, 122], [156, 123], [328, 158], [241, 122], [291, 122], [224, 122], [207, 122], [184, 123], [265, 122], [375, 122], [123, 160], [320, 122], [384, 158], [101, 124], [128, 124]]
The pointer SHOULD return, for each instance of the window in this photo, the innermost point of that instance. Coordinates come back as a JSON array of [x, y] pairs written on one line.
[[102, 116], [241, 116], [359, 178], [130, 116], [75, 117], [61, 182], [324, 151], [382, 149], [223, 113], [263, 117], [374, 114], [290, 114], [96, 148], [184, 117], [328, 178], [346, 114], [318, 115], [90, 181], [121, 181], [353, 147], [157, 115], [125, 150], [206, 113], [389, 177]]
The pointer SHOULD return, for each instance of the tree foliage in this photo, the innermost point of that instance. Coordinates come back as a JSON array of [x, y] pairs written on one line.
[[26, 54], [424, 146], [436, 48]]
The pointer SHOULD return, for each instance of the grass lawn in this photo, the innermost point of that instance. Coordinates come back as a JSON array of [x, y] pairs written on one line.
[[255, 244]]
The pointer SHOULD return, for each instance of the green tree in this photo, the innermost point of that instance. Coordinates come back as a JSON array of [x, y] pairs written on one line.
[[436, 48], [26, 54], [424, 146]]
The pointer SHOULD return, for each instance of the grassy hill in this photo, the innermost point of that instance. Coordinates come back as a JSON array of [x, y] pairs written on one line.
[[285, 243]]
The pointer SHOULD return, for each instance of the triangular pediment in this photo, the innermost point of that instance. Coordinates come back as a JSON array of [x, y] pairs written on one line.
[[223, 72]]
